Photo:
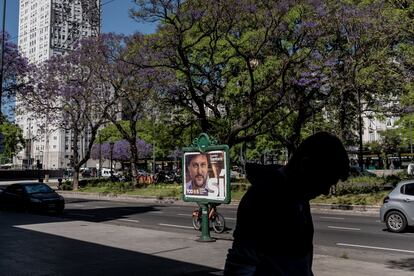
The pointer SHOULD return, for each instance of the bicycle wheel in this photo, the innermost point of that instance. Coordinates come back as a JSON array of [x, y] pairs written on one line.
[[197, 223], [218, 223]]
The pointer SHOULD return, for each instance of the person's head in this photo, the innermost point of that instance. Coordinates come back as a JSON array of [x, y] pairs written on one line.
[[318, 163], [198, 169]]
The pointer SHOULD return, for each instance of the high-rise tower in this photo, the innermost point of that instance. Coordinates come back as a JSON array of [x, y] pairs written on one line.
[[46, 28]]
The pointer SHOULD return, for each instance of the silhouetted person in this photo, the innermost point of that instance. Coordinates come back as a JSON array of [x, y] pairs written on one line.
[[274, 229]]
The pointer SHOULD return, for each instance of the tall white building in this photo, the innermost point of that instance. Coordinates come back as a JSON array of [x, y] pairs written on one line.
[[46, 28], [373, 127]]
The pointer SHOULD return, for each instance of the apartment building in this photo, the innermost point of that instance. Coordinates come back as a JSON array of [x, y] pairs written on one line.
[[47, 28]]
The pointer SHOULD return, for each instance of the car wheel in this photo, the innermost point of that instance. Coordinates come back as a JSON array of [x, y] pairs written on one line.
[[396, 222]]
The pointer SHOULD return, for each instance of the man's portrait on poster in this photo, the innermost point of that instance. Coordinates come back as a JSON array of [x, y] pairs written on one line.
[[205, 175]]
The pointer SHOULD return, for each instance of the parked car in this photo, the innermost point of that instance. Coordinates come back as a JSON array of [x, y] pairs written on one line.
[[67, 173], [106, 172], [356, 171], [397, 210], [86, 172], [167, 176], [31, 197]]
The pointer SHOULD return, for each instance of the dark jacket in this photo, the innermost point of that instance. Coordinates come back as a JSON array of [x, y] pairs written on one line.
[[271, 218]]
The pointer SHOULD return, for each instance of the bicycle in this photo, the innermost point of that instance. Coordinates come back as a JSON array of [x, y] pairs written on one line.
[[216, 220]]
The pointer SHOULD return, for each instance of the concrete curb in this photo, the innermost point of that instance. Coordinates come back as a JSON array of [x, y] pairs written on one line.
[[346, 207], [178, 201], [118, 197]]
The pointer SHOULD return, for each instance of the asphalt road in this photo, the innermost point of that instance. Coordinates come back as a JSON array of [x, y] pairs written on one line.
[[344, 234]]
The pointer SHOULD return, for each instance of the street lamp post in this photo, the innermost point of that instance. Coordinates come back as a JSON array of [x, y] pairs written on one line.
[[29, 144], [2, 58], [100, 157], [111, 145], [411, 139]]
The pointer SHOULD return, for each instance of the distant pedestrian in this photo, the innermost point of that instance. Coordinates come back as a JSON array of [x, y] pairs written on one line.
[[410, 169], [274, 229]]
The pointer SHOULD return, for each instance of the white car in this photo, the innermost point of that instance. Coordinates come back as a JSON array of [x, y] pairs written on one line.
[[107, 172], [397, 211]]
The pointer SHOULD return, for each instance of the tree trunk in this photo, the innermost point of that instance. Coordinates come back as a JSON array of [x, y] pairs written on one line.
[[134, 173], [75, 160], [360, 132], [134, 161], [75, 184]]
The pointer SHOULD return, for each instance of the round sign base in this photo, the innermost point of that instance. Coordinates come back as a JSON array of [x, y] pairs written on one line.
[[206, 239]]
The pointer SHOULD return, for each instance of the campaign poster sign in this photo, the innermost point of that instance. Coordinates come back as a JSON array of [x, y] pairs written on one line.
[[205, 175]]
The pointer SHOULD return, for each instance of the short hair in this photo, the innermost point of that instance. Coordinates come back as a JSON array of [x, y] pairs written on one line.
[[327, 150], [190, 157]]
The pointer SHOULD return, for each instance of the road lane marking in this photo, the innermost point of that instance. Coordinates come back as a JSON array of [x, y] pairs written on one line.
[[128, 220], [81, 215], [76, 205], [375, 247], [176, 226], [332, 218], [190, 215], [344, 228]]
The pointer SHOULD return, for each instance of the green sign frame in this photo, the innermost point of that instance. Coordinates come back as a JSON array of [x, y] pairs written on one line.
[[210, 163]]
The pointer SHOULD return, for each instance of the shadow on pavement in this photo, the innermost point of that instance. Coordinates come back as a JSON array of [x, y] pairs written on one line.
[[405, 264], [83, 200], [106, 214], [27, 252], [94, 214], [409, 229]]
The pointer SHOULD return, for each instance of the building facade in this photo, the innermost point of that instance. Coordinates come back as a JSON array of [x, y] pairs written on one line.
[[47, 28], [373, 128]]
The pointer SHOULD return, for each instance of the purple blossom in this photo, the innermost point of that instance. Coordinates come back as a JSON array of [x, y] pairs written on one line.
[[177, 153], [121, 150], [310, 24]]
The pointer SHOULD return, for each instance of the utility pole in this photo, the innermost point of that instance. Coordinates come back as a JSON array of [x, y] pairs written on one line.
[[411, 139], [100, 156], [111, 146], [2, 58]]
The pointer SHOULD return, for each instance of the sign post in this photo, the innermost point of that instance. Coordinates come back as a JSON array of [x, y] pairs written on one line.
[[1, 142], [206, 177]]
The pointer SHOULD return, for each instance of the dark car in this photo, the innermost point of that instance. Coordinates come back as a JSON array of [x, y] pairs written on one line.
[[86, 173], [31, 197]]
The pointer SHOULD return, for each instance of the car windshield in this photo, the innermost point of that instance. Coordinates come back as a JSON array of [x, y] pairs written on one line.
[[40, 188]]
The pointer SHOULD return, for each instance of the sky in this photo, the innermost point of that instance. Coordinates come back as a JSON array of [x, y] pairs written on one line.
[[115, 18]]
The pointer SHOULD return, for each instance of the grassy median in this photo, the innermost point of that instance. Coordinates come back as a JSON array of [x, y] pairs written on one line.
[[355, 191]]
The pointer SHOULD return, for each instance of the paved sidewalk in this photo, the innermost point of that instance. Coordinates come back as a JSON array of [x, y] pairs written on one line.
[[134, 251]]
